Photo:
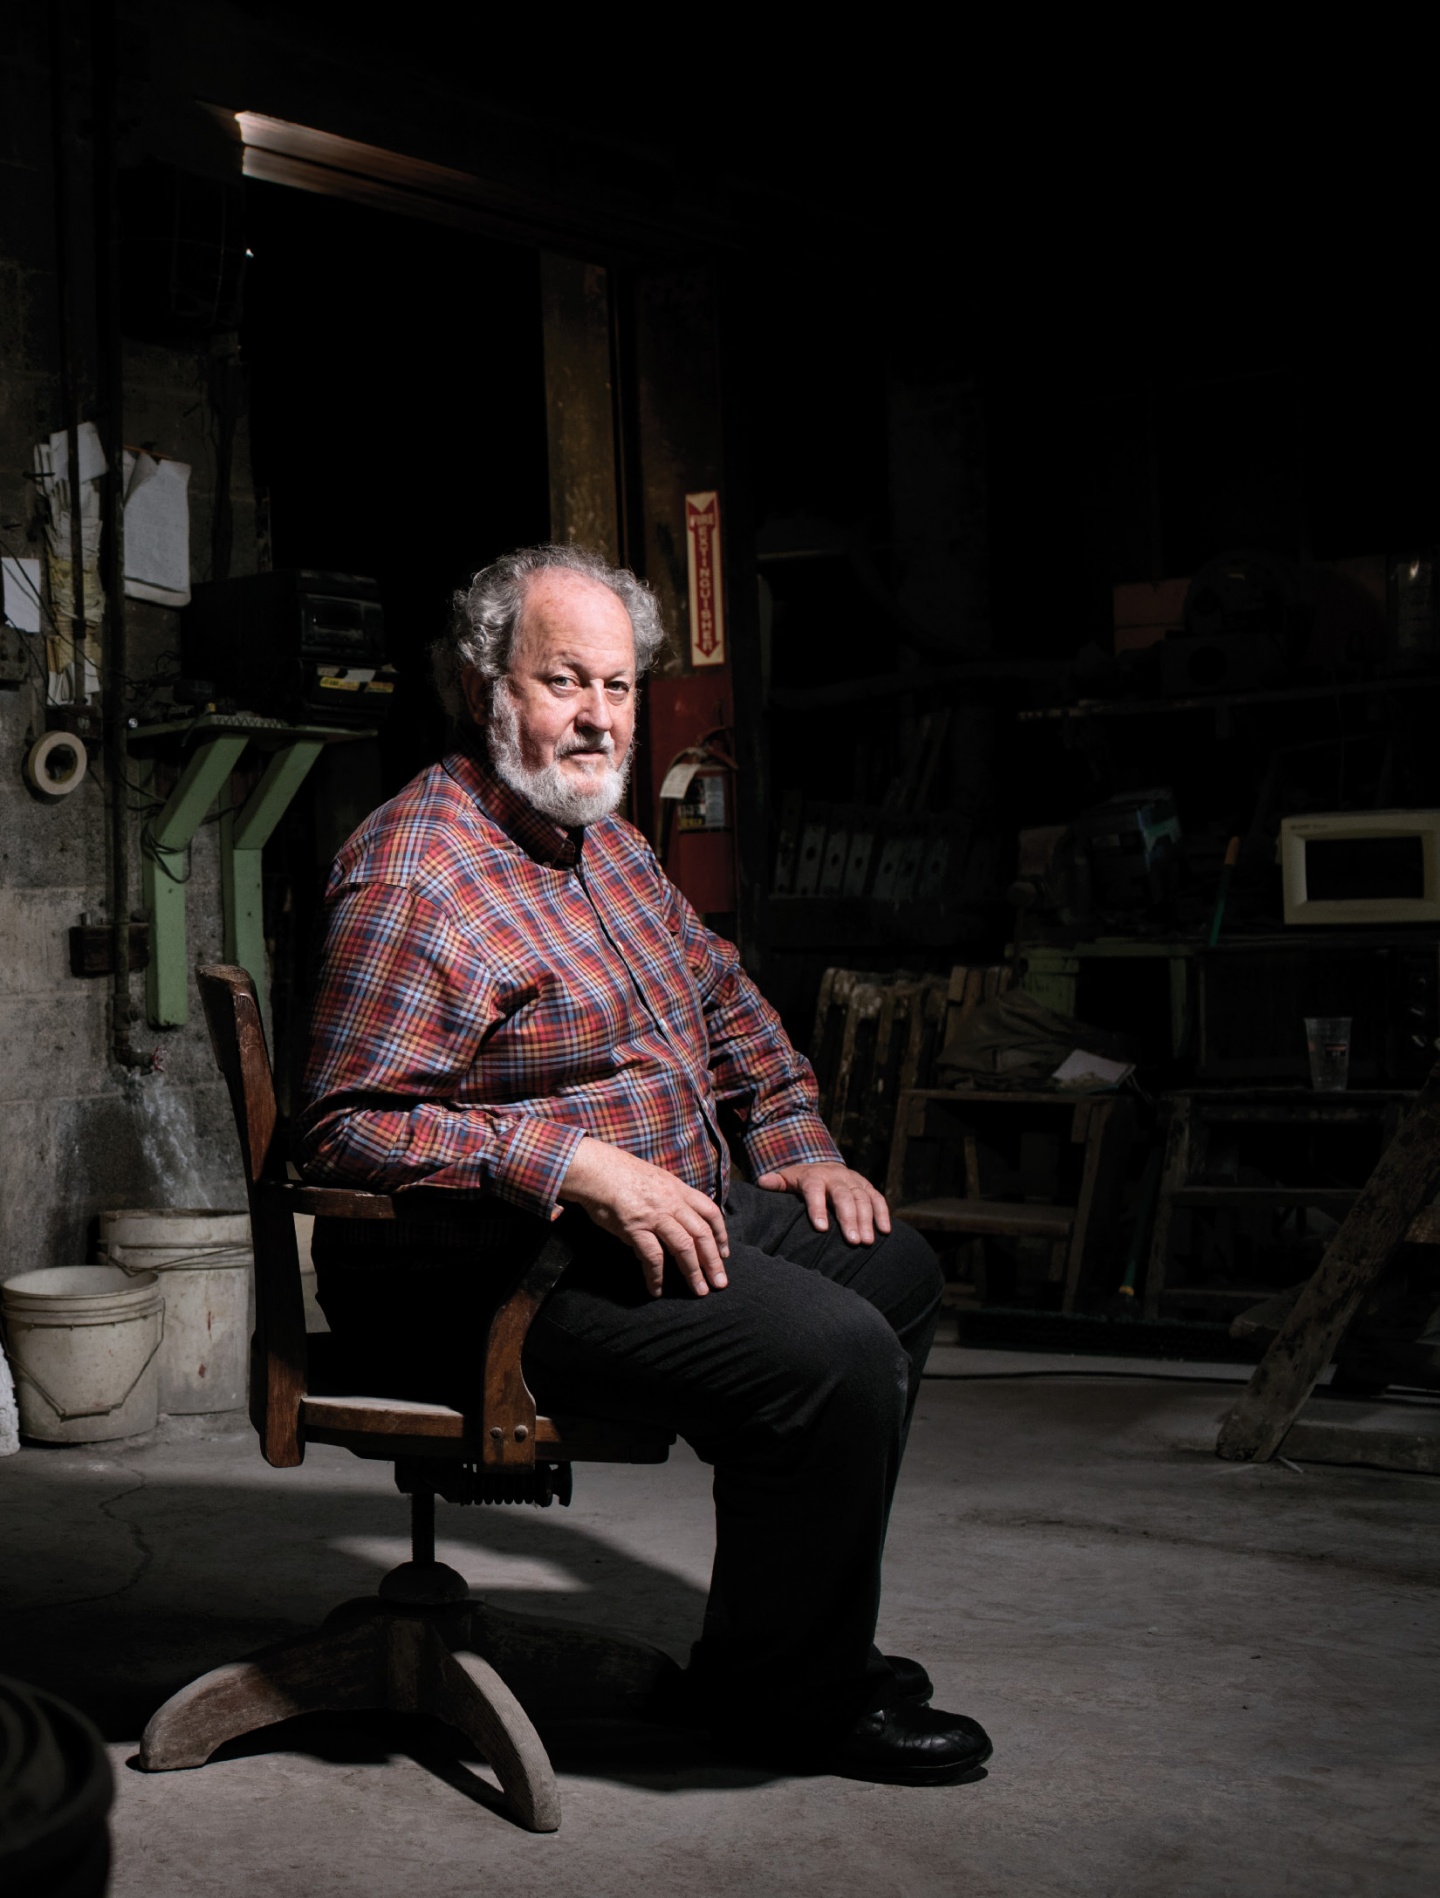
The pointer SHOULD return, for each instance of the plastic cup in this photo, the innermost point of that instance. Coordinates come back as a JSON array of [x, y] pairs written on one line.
[[1327, 1037]]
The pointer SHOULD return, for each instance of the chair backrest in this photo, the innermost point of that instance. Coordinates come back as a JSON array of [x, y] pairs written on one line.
[[277, 1356], [237, 1034]]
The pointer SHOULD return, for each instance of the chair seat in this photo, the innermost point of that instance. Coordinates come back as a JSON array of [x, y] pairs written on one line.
[[390, 1427], [1012, 1219]]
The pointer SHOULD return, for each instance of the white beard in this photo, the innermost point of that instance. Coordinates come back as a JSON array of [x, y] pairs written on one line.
[[555, 794]]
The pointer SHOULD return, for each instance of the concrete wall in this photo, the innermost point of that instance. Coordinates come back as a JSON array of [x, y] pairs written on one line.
[[81, 1134]]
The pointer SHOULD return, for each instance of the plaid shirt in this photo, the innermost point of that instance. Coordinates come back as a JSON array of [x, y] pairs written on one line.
[[494, 988]]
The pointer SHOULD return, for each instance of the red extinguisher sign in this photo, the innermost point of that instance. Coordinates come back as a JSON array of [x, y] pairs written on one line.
[[707, 598]]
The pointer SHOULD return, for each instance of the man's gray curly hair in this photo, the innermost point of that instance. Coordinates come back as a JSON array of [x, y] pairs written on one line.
[[486, 615]]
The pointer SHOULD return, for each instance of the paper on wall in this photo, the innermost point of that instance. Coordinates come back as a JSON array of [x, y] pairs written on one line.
[[73, 676], [157, 529], [92, 453], [21, 593]]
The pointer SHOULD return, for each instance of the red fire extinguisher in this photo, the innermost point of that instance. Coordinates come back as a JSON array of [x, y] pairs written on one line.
[[697, 841]]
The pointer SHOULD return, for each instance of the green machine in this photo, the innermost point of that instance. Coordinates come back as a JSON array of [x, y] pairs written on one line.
[[210, 748]]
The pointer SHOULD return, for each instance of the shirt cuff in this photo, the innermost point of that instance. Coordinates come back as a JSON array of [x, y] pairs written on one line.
[[800, 1141], [532, 1163]]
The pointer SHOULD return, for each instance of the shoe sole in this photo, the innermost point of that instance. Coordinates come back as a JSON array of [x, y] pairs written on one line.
[[786, 1759], [957, 1775]]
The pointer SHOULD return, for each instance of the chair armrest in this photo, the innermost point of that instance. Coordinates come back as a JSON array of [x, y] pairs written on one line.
[[330, 1202], [506, 1427], [279, 1371]]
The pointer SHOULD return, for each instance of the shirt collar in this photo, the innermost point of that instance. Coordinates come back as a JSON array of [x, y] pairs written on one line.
[[547, 842]]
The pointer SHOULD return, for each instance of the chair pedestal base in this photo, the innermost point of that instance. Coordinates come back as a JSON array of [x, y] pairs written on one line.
[[461, 1661]]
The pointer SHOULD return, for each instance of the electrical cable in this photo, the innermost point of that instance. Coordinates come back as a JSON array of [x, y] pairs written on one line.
[[1401, 1396], [1156, 1377], [158, 856]]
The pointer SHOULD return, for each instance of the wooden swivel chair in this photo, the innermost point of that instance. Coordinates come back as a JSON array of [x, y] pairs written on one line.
[[422, 1644]]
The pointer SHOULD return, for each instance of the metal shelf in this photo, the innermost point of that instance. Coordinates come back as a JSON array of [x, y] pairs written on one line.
[[1217, 701]]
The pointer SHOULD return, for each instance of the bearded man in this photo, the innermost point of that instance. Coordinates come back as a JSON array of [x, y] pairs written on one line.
[[519, 1019]]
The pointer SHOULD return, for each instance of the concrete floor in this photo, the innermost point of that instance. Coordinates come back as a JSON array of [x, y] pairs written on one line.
[[1201, 1678]]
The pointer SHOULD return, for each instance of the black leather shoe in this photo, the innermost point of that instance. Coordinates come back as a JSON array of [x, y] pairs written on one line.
[[911, 1680], [907, 1745]]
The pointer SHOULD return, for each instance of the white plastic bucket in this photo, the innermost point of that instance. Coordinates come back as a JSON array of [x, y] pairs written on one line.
[[84, 1343], [204, 1259]]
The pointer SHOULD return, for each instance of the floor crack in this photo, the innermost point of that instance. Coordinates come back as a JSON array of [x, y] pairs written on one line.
[[144, 1552], [137, 1536]]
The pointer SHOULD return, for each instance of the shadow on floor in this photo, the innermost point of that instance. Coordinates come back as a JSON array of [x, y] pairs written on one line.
[[219, 1573], [648, 1756]]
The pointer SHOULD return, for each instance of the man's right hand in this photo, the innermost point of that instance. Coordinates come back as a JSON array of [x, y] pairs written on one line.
[[652, 1212]]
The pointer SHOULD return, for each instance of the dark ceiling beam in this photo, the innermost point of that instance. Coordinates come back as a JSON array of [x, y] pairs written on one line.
[[310, 159]]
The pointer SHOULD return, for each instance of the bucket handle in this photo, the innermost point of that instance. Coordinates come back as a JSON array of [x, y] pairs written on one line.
[[218, 1258], [97, 1410]]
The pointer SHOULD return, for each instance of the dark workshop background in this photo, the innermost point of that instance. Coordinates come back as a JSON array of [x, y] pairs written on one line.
[[964, 340]]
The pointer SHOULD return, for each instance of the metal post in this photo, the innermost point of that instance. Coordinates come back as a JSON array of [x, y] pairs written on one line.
[[243, 836], [165, 841], [422, 1525]]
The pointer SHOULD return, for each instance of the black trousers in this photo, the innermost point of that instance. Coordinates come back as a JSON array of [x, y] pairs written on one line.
[[797, 1383]]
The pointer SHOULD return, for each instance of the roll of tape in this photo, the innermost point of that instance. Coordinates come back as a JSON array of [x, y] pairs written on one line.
[[55, 764]]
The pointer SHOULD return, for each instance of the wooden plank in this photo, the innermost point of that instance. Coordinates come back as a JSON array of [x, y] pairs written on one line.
[[971, 1148], [954, 997], [831, 1007], [1177, 1171], [1374, 1436], [1004, 1218], [864, 1003], [1404, 1181], [1339, 1198], [382, 1416], [1343, 1108], [1009, 1096], [579, 403], [926, 1023], [877, 1106], [909, 1124], [1107, 1148], [820, 1054], [1221, 1295], [330, 1202]]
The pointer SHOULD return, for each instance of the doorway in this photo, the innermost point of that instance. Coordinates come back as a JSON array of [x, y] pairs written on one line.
[[397, 413]]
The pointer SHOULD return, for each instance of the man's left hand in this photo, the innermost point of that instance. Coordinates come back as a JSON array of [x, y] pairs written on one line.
[[824, 1185]]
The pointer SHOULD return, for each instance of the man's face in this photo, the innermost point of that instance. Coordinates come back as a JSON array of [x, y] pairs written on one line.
[[561, 722]]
